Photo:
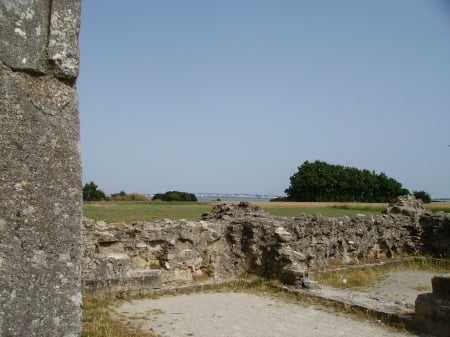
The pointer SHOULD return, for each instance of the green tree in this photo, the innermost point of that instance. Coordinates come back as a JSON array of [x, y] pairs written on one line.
[[320, 181], [175, 196], [422, 195], [92, 193]]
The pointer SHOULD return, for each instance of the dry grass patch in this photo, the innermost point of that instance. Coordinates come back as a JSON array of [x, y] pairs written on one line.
[[97, 321], [352, 279], [365, 206], [293, 204], [360, 278], [423, 287], [328, 209], [435, 206]]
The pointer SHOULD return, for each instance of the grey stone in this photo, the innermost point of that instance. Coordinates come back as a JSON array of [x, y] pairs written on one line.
[[24, 34], [432, 315], [63, 48], [283, 234], [40, 181], [310, 284], [40, 36], [441, 286], [407, 205]]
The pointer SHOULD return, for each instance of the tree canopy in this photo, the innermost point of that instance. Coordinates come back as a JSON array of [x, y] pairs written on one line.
[[175, 196], [92, 193], [320, 181]]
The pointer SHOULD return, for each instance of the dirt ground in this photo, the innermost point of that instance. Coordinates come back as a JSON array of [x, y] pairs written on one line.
[[242, 315], [247, 315], [402, 286]]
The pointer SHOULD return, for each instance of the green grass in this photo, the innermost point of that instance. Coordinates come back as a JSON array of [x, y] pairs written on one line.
[[130, 211]]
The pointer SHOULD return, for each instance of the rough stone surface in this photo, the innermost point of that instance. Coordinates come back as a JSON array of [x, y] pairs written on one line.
[[40, 179], [441, 287], [435, 234], [430, 231], [40, 36], [235, 239], [433, 309], [406, 205], [432, 315]]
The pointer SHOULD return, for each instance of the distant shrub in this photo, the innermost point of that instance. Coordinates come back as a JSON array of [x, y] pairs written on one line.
[[122, 196], [92, 193], [118, 196], [422, 195], [175, 196]]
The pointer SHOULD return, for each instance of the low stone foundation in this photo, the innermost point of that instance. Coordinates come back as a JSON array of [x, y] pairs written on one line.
[[433, 309], [135, 282]]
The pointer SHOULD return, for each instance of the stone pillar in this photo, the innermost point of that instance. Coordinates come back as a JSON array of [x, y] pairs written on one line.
[[40, 170]]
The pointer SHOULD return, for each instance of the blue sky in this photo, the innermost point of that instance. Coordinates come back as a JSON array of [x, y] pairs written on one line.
[[232, 96]]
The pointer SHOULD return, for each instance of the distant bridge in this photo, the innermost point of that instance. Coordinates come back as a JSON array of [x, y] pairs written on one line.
[[232, 196]]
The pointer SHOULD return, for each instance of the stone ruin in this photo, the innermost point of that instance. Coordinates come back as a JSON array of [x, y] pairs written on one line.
[[237, 239], [40, 170]]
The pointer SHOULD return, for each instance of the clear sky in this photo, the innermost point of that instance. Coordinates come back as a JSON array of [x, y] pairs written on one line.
[[232, 96]]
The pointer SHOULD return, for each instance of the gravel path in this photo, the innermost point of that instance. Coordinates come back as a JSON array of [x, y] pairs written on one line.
[[242, 315], [402, 286], [247, 315]]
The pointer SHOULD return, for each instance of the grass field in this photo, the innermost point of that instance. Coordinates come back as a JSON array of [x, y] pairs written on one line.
[[330, 209], [129, 211]]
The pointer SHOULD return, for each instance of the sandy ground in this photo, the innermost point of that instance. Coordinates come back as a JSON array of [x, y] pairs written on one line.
[[247, 315], [402, 286], [242, 315]]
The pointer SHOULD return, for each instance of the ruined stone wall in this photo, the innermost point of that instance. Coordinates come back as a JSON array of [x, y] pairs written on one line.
[[40, 171], [236, 239], [161, 254]]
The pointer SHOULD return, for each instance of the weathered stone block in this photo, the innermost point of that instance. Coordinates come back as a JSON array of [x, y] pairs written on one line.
[[40, 171], [441, 287], [24, 34], [432, 315]]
